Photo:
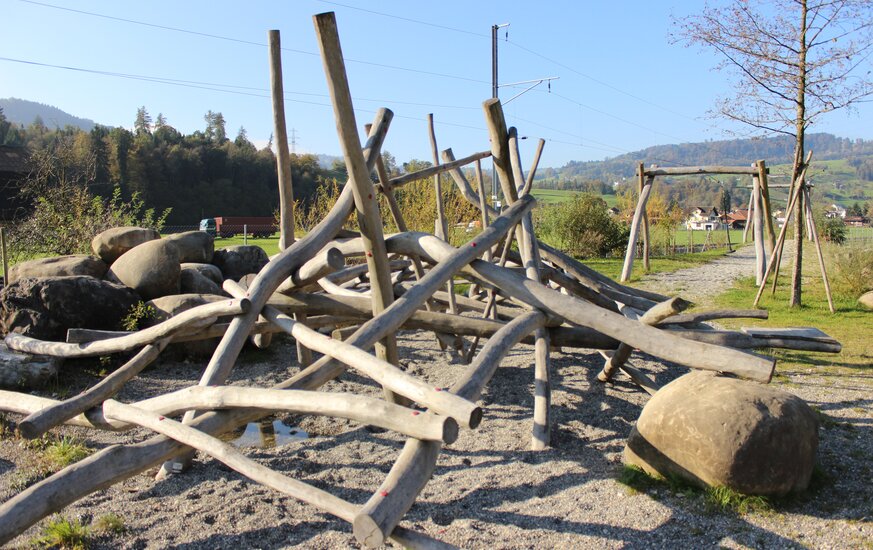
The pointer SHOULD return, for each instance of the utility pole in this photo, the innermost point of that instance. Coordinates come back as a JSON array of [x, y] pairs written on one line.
[[494, 88]]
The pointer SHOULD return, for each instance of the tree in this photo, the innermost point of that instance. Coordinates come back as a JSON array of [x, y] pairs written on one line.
[[142, 126], [793, 61], [215, 127]]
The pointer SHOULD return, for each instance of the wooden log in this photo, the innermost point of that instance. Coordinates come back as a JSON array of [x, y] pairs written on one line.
[[738, 340], [326, 262], [283, 158], [648, 339], [5, 255], [389, 376], [821, 260], [528, 182], [636, 375], [642, 183], [415, 465], [709, 315], [288, 261], [498, 136], [366, 202], [775, 259], [758, 232], [229, 455], [358, 408], [652, 317], [628, 266], [36, 424], [749, 218], [205, 312], [466, 189], [393, 317], [695, 170], [540, 434], [769, 234], [432, 170], [25, 371]]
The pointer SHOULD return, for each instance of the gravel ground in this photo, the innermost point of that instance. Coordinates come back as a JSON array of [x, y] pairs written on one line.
[[488, 490]]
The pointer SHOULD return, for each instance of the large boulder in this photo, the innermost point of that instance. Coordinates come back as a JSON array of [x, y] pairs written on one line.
[[209, 271], [59, 266], [866, 300], [717, 431], [194, 246], [237, 261], [151, 269], [194, 282], [112, 243], [46, 307]]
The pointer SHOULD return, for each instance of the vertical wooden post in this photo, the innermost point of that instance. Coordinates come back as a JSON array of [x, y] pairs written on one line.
[[283, 158], [749, 216], [821, 261], [366, 203], [5, 256], [758, 232], [646, 247], [635, 229], [528, 183], [765, 202], [441, 229]]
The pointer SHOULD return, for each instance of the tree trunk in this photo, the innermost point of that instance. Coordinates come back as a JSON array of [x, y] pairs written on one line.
[[800, 127]]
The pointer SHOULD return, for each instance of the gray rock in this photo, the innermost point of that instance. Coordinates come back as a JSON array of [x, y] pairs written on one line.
[[46, 307], [717, 431], [151, 269], [207, 270], [25, 371], [194, 282], [237, 261], [59, 266], [866, 300], [194, 246], [112, 243]]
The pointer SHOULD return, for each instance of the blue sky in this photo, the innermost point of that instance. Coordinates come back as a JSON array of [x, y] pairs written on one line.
[[622, 85]]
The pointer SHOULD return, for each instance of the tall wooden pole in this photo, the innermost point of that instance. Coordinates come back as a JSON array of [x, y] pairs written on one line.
[[283, 159], [758, 232], [635, 230], [642, 182], [821, 261], [369, 219], [770, 234]]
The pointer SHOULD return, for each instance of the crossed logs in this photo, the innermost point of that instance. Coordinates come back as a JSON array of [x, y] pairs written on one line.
[[556, 301]]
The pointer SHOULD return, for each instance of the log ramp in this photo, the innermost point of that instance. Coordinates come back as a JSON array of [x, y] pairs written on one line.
[[539, 296]]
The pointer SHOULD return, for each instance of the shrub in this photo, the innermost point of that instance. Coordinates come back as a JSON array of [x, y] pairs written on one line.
[[833, 230], [851, 269], [66, 215], [582, 227]]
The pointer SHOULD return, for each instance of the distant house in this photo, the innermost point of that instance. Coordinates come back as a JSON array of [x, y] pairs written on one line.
[[14, 167], [856, 221], [738, 218], [835, 211], [704, 218]]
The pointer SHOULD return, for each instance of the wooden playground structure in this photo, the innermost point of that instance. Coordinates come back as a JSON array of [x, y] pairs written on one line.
[[547, 299]]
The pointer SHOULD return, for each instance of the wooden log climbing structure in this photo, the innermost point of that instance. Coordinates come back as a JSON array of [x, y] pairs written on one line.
[[301, 289]]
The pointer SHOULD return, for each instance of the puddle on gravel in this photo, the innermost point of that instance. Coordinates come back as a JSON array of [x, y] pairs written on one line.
[[265, 435]]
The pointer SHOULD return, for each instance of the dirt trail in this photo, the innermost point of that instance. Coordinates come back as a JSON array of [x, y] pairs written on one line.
[[699, 284]]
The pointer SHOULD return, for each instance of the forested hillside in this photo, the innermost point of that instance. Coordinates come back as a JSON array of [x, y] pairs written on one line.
[[23, 112], [199, 175]]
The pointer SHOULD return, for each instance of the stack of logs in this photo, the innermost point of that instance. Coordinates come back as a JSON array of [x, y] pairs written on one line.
[[556, 302]]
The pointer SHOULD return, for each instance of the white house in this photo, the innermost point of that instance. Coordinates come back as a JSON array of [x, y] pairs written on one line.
[[835, 211], [704, 218]]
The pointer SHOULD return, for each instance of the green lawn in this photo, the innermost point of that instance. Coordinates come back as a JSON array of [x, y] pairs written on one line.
[[851, 325], [550, 196]]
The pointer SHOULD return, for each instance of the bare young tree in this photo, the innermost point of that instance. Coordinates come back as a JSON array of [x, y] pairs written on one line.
[[793, 61]]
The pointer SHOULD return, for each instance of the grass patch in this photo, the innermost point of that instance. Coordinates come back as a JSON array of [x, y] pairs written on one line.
[[111, 524], [724, 499], [61, 532], [62, 452], [851, 325]]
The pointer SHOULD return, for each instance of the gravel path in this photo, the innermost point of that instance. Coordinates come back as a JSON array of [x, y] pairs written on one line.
[[700, 283], [488, 490]]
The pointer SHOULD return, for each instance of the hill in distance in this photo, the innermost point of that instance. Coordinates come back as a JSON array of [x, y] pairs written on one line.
[[22, 111]]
